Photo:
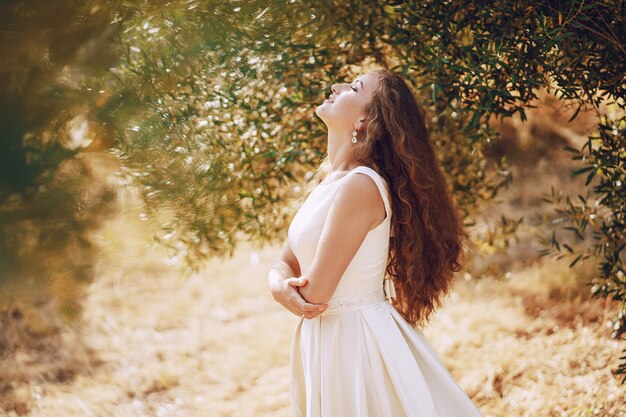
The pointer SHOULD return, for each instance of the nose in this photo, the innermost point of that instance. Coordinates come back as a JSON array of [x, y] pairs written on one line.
[[335, 88]]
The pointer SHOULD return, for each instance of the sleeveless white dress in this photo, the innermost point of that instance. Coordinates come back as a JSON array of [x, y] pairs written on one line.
[[360, 358]]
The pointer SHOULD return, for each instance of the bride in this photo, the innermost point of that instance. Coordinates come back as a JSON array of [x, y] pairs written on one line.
[[368, 259]]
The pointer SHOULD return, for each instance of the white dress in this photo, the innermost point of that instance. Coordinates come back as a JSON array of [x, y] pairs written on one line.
[[360, 358]]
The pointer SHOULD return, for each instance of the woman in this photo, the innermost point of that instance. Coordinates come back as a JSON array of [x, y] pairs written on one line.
[[356, 352]]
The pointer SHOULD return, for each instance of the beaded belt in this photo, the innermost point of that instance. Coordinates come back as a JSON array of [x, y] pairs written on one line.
[[353, 302]]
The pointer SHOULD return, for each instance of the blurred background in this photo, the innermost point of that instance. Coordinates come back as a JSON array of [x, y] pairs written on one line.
[[152, 155]]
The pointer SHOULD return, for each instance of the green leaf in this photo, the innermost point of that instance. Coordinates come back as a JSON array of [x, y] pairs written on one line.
[[575, 260], [575, 113], [571, 149], [581, 170]]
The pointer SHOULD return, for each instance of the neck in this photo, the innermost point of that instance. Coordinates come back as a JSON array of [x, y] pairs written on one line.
[[339, 149]]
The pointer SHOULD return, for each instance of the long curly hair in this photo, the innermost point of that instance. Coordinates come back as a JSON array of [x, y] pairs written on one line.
[[428, 236]]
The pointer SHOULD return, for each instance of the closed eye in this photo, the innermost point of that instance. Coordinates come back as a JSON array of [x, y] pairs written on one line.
[[353, 88]]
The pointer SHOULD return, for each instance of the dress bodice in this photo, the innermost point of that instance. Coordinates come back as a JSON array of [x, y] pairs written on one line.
[[366, 271]]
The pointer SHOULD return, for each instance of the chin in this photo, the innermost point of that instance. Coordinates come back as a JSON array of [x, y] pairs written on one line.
[[323, 106], [320, 110]]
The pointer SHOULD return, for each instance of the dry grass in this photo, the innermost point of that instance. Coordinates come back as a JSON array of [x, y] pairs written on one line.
[[216, 344]]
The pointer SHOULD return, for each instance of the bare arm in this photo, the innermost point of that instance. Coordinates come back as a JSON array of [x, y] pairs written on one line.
[[357, 208], [283, 279]]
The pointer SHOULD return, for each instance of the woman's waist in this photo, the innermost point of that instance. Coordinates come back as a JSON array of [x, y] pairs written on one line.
[[343, 303]]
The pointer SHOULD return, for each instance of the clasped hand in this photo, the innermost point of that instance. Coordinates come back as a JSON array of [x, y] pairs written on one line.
[[288, 296]]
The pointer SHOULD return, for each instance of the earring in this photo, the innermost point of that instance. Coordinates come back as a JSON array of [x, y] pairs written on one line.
[[354, 136]]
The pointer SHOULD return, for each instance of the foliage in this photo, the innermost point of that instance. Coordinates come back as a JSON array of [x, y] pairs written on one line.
[[50, 198], [222, 121], [490, 58], [605, 213]]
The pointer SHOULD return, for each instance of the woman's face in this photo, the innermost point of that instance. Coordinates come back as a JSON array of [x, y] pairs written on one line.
[[345, 106]]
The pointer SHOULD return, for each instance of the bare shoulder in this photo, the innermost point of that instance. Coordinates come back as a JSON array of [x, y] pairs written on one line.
[[360, 194], [361, 187]]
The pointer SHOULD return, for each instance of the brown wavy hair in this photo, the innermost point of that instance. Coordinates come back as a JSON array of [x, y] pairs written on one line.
[[427, 232]]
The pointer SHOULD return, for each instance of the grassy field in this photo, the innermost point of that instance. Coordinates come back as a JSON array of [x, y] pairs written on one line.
[[216, 344]]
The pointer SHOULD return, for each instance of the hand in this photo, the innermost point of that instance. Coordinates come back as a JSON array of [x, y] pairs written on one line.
[[288, 296]]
